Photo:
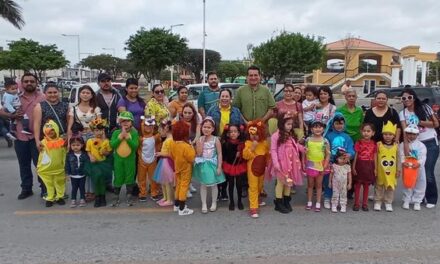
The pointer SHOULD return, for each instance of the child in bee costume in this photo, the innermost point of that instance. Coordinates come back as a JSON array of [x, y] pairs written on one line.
[[50, 166], [124, 142]]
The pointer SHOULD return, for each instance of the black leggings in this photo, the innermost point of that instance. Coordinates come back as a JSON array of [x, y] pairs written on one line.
[[78, 183], [238, 181]]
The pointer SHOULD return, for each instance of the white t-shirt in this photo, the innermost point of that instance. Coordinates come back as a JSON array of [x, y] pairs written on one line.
[[85, 118], [309, 115], [409, 117]]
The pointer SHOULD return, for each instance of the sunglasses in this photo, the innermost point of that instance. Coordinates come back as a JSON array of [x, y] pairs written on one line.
[[159, 92], [405, 98]]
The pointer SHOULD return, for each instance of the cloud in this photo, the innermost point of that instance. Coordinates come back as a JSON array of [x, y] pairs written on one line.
[[230, 25]]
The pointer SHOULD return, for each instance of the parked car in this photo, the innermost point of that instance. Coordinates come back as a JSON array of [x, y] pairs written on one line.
[[194, 91], [74, 95]]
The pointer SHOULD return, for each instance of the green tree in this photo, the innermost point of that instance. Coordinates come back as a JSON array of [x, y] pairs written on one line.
[[130, 68], [153, 50], [103, 62], [11, 11], [194, 62], [289, 52], [230, 69], [29, 55]]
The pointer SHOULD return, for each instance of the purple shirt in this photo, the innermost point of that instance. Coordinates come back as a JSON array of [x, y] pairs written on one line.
[[135, 108]]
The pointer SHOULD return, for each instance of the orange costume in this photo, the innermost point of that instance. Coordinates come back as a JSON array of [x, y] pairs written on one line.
[[257, 157], [149, 144], [183, 155]]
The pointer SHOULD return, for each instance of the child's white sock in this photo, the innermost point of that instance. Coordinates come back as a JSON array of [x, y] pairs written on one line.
[[214, 198], [203, 194]]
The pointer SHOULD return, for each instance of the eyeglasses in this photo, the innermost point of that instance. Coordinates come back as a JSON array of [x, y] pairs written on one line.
[[159, 92], [405, 98]]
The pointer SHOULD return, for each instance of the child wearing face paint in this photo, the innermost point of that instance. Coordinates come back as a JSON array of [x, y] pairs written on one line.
[[51, 162], [208, 164], [387, 168], [149, 144], [256, 152]]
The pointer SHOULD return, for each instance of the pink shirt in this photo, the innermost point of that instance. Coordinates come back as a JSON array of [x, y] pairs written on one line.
[[295, 109], [28, 103]]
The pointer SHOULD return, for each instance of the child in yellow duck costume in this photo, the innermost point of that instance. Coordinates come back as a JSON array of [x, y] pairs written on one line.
[[256, 152], [125, 142], [50, 166], [149, 145]]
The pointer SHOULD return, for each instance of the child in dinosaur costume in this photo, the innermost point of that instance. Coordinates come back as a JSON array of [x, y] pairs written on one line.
[[125, 142], [149, 145], [50, 166]]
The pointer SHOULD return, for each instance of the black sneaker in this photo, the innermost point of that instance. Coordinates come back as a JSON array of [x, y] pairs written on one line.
[[61, 201], [24, 194], [49, 204], [10, 142]]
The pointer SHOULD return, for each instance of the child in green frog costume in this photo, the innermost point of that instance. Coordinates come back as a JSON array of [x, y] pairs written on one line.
[[125, 142]]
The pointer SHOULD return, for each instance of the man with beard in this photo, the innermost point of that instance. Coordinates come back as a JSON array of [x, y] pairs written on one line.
[[107, 99], [25, 147], [209, 97]]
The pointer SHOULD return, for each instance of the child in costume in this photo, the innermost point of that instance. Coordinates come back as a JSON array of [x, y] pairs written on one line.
[[183, 155], [364, 165], [316, 160], [76, 160], [416, 150], [234, 166], [100, 165], [340, 180], [149, 143], [164, 173], [256, 152], [286, 162], [208, 164], [387, 168], [338, 139], [125, 142], [50, 166]]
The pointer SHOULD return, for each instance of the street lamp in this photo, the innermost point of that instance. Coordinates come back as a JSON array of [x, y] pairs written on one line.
[[172, 66], [79, 51], [204, 43], [112, 49]]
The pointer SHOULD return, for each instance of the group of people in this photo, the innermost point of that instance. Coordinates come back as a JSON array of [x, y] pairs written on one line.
[[228, 145]]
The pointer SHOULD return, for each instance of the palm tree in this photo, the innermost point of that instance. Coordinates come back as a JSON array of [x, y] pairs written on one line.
[[11, 11]]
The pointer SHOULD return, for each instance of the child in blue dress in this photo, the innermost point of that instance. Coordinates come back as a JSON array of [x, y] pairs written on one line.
[[208, 164]]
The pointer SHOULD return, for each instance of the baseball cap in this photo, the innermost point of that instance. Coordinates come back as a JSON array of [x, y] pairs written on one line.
[[104, 76]]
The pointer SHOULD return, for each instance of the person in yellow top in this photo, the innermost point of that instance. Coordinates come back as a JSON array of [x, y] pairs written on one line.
[[157, 106], [183, 155], [387, 169], [50, 166], [100, 165], [256, 152]]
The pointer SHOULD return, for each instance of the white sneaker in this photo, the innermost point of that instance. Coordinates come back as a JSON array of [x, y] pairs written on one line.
[[262, 203], [204, 209], [417, 207], [371, 197], [10, 136], [389, 207], [327, 204], [186, 211], [176, 208], [189, 194], [430, 206], [255, 215], [213, 207], [334, 209], [405, 205], [377, 207], [343, 208], [192, 188]]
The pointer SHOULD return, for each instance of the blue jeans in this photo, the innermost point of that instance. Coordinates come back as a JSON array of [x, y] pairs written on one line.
[[27, 153], [328, 192], [432, 153]]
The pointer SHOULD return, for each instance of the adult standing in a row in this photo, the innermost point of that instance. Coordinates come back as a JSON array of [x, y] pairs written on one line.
[[175, 107], [132, 102], [254, 100], [291, 103], [417, 113], [50, 109], [353, 115], [157, 106], [380, 114], [209, 97], [107, 99], [25, 146]]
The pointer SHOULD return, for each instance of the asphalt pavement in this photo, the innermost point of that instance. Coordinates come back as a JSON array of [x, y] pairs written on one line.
[[145, 233]]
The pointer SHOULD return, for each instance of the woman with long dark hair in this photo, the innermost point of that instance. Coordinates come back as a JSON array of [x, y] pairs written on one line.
[[326, 108], [417, 113], [132, 102], [175, 106]]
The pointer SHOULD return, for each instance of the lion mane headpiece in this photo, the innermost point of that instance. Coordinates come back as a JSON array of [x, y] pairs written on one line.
[[257, 127], [180, 131]]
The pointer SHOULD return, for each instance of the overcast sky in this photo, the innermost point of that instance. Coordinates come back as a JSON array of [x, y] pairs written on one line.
[[230, 24]]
